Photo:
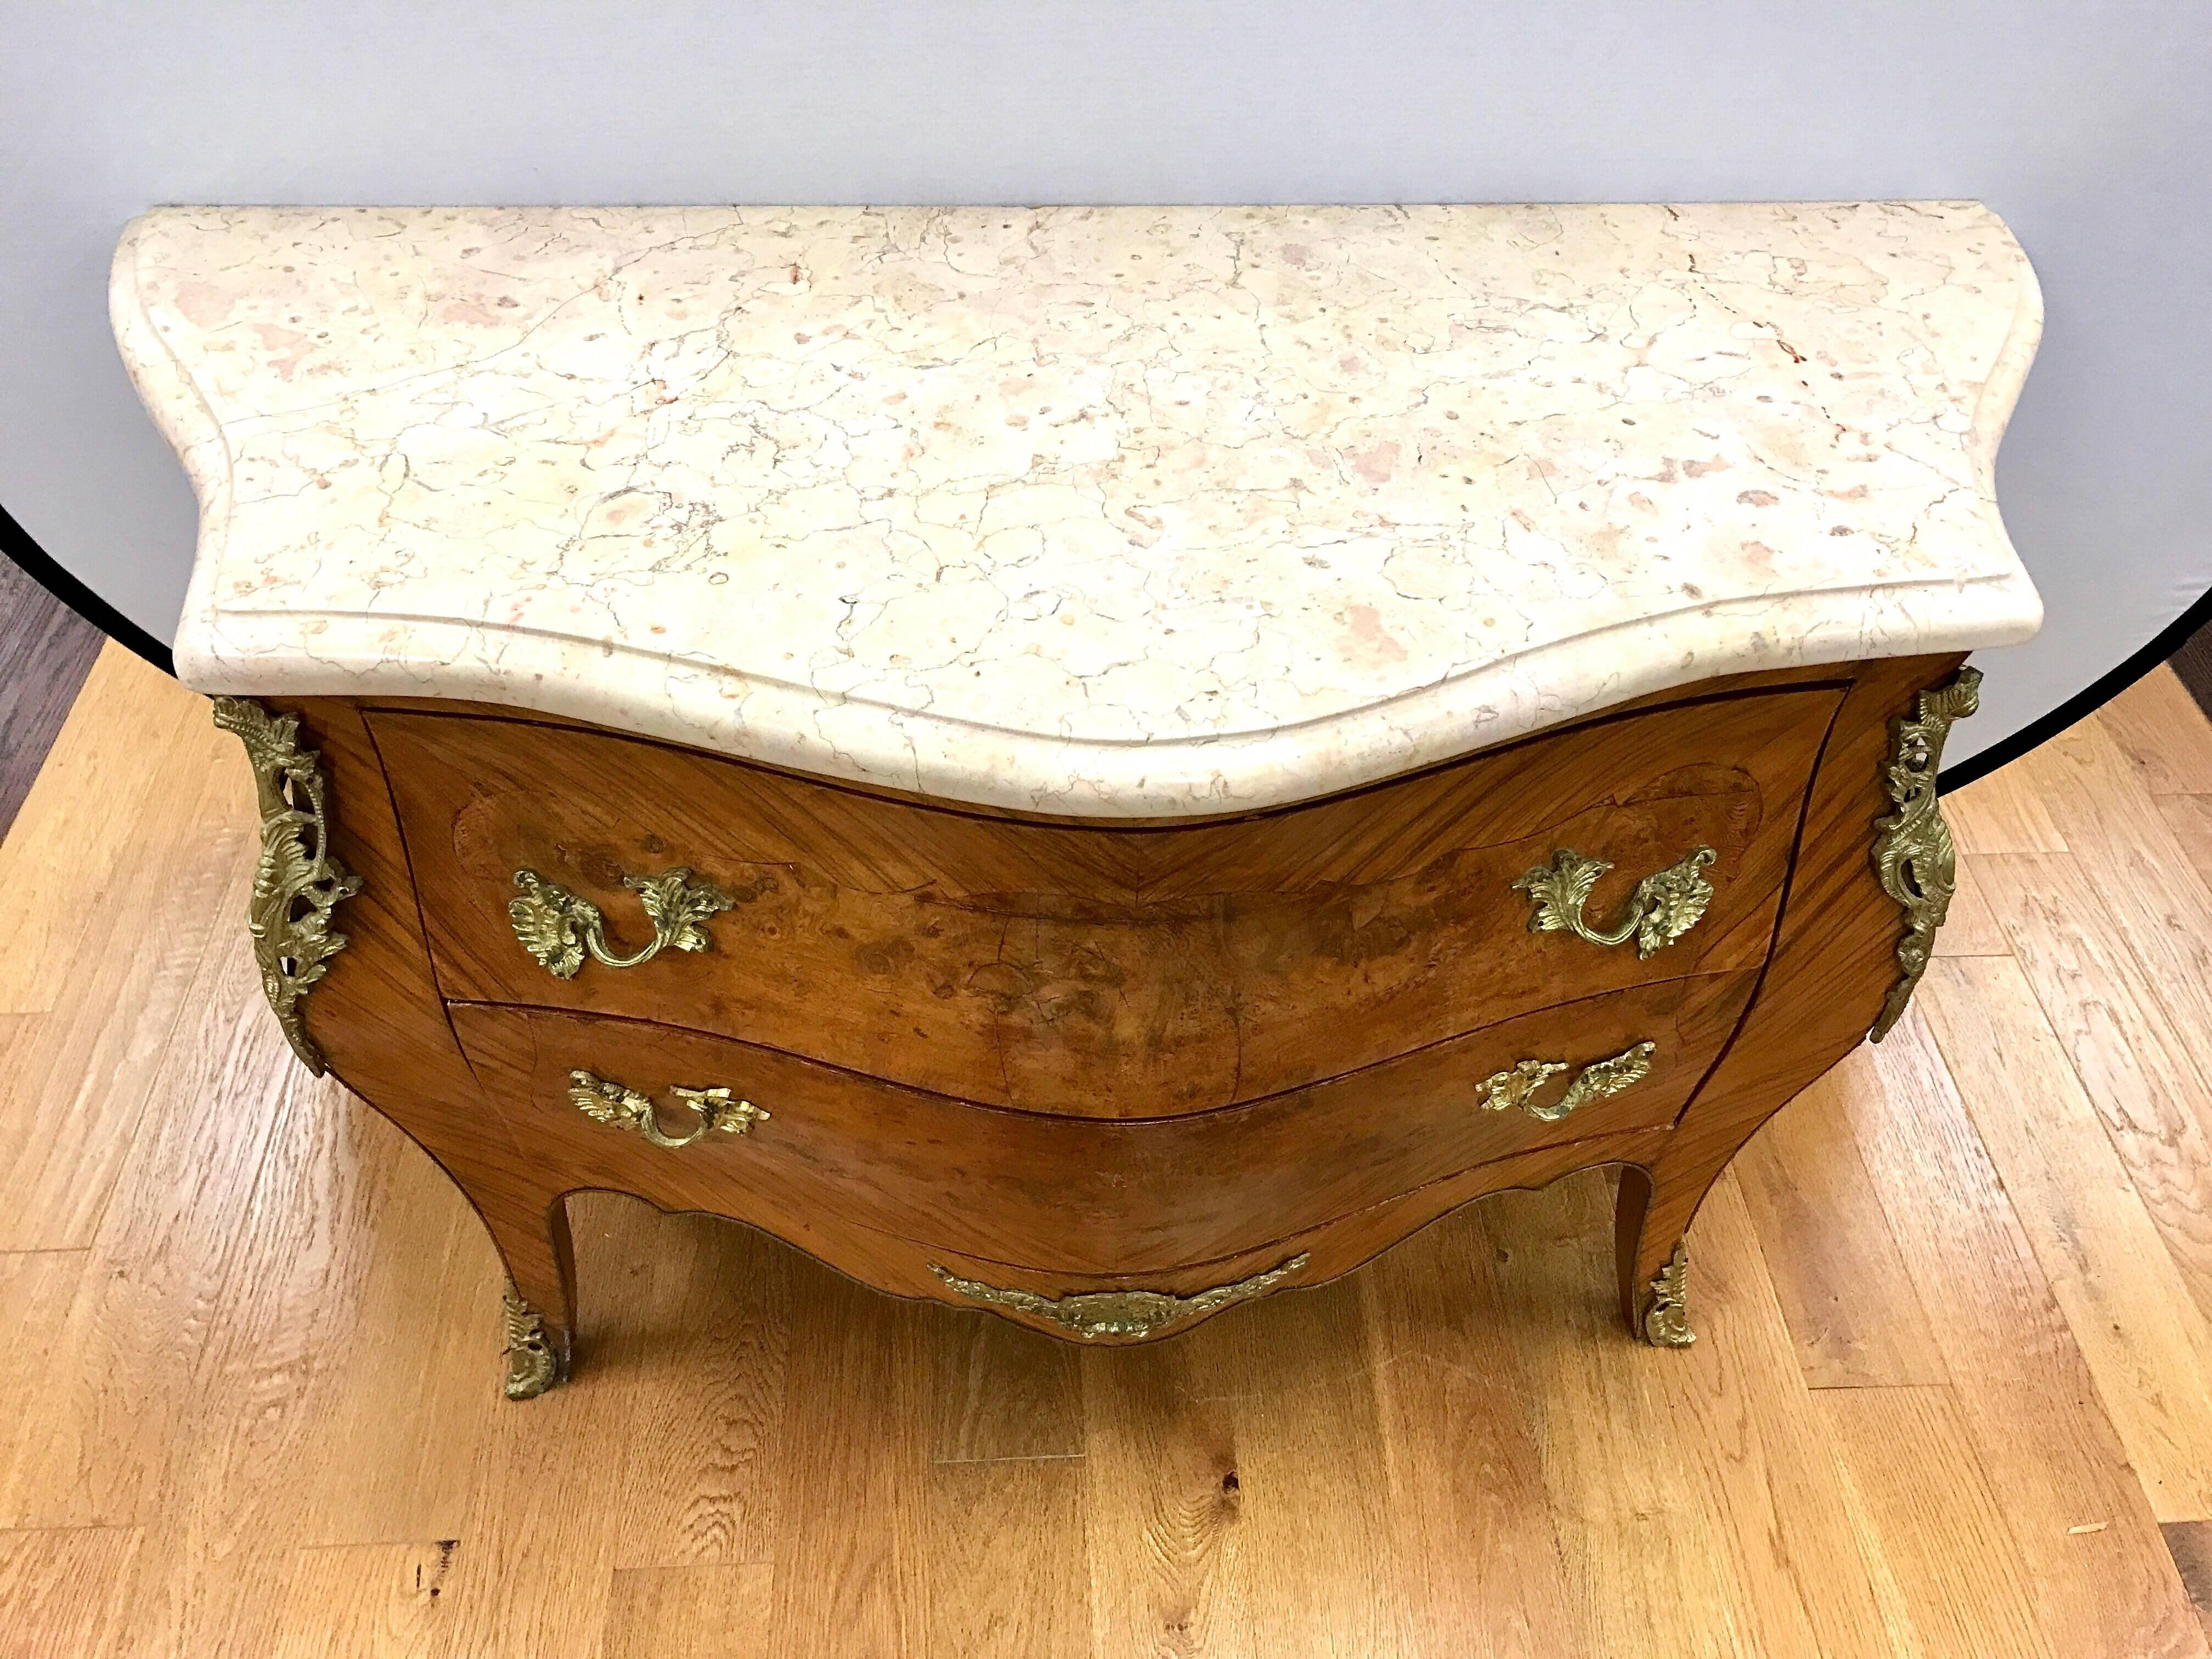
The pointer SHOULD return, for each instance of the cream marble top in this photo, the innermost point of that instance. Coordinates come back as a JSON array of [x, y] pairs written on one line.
[[1111, 512]]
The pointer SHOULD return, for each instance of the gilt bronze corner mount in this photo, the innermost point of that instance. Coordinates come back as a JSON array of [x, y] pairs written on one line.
[[297, 883]]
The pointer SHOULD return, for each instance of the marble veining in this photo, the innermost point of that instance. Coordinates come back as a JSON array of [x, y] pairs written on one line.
[[1108, 511]]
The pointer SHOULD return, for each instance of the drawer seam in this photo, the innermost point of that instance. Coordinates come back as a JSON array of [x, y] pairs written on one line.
[[1247, 1105]]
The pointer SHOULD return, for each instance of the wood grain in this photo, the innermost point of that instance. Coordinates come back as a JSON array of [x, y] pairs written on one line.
[[2003, 812], [131, 1340], [2133, 1059], [89, 1063], [1323, 1525], [367, 1601], [1004, 1550], [689, 1612], [46, 651], [999, 1394], [380, 1019], [1719, 1438], [1971, 928], [2158, 726], [84, 818], [473, 798], [1102, 971], [1164, 1505], [1090, 1196], [1478, 1547], [1833, 962], [2189, 819], [271, 1359], [2147, 1343], [2083, 1526], [1903, 1450], [704, 1341], [1852, 1312], [856, 1552], [66, 1592], [2119, 946], [2190, 1543]]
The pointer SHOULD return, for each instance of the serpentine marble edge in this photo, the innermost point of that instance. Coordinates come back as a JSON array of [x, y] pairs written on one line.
[[1107, 512]]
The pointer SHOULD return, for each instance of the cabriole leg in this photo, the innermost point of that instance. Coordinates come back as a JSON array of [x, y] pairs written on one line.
[[540, 1319], [1652, 1254]]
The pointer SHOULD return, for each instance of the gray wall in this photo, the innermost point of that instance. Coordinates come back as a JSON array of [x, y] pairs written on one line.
[[2084, 124]]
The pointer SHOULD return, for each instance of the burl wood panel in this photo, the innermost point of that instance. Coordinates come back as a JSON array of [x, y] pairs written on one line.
[[1101, 971], [1085, 1195]]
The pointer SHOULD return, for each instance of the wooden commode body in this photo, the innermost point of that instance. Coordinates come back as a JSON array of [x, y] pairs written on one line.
[[1102, 1027]]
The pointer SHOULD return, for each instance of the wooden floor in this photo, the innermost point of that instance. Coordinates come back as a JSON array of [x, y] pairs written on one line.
[[1952, 1393], [46, 651]]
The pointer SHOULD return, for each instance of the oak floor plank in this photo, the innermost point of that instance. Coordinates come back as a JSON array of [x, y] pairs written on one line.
[[73, 1094], [18, 1033], [1313, 1515], [2189, 1544], [407, 1386], [2126, 843], [74, 841], [1971, 928], [1775, 1478], [317, 1336], [1952, 1581], [997, 1391], [40, 1290], [115, 1393], [700, 1346], [1838, 1273], [1644, 1555], [46, 651], [532, 1576], [1164, 1505], [2143, 884], [1007, 1578], [2146, 1343], [852, 1576], [2189, 818], [2004, 812], [2053, 1457], [2164, 736], [365, 1602], [1473, 1527], [2132, 1058], [690, 1612], [1700, 1511], [237, 1448], [2142, 917], [64, 1593]]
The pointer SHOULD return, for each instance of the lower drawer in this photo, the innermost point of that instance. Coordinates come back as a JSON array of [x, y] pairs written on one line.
[[1068, 1194], [1122, 1307]]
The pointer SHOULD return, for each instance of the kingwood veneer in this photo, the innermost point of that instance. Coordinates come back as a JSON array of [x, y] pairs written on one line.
[[822, 814]]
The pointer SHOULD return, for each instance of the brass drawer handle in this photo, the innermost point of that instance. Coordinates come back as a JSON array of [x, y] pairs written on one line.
[[1663, 907], [1093, 1313], [1517, 1087], [604, 1101], [558, 928]]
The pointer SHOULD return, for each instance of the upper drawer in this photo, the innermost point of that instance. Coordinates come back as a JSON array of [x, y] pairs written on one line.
[[1099, 971]]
